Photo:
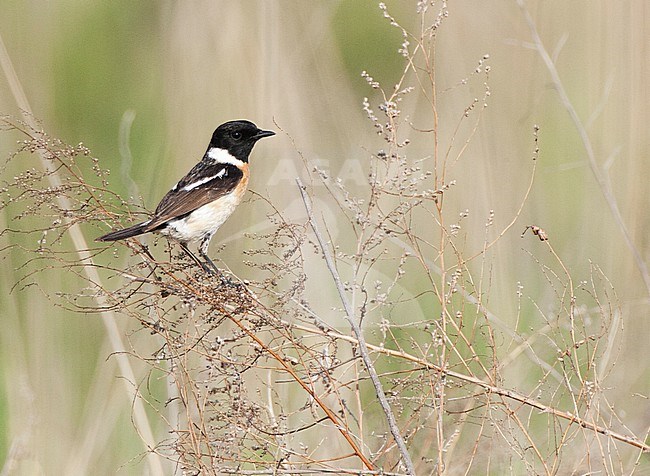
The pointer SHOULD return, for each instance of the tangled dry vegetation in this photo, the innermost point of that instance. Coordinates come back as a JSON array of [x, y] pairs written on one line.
[[263, 383]]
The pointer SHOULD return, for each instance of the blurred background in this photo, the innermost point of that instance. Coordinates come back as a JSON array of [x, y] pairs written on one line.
[[144, 84]]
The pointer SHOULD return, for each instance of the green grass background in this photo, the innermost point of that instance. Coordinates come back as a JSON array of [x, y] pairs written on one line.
[[182, 68]]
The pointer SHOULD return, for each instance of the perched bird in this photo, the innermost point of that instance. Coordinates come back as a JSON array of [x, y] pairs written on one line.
[[195, 208]]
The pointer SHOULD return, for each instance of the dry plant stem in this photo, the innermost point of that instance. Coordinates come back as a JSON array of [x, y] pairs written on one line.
[[303, 471], [603, 184], [488, 387], [287, 367], [439, 179], [443, 331], [363, 348], [140, 418]]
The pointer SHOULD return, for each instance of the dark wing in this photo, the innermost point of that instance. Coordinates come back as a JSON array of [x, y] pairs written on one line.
[[205, 183]]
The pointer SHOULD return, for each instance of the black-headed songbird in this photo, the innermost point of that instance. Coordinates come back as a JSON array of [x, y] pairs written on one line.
[[195, 208]]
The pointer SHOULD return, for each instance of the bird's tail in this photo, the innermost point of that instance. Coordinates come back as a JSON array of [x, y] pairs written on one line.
[[125, 233]]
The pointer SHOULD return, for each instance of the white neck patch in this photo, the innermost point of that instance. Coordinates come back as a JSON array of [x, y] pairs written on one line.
[[222, 156]]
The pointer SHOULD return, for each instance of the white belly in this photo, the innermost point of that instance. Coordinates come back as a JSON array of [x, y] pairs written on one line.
[[204, 221]]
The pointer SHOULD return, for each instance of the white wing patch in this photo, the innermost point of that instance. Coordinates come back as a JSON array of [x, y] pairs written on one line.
[[223, 172]]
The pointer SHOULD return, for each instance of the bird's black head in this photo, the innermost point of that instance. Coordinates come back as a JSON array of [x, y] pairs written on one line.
[[238, 138]]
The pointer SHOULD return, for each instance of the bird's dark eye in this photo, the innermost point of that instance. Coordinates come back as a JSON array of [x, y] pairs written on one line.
[[235, 135]]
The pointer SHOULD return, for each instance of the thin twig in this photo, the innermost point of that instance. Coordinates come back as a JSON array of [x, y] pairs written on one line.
[[363, 349], [300, 471]]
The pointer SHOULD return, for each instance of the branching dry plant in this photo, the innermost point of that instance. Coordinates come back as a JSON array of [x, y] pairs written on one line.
[[421, 376]]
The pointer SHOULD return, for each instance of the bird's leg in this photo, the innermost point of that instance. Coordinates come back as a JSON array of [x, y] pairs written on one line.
[[203, 265], [203, 252]]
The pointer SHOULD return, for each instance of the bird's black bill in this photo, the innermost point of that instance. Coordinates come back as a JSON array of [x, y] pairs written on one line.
[[261, 134]]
